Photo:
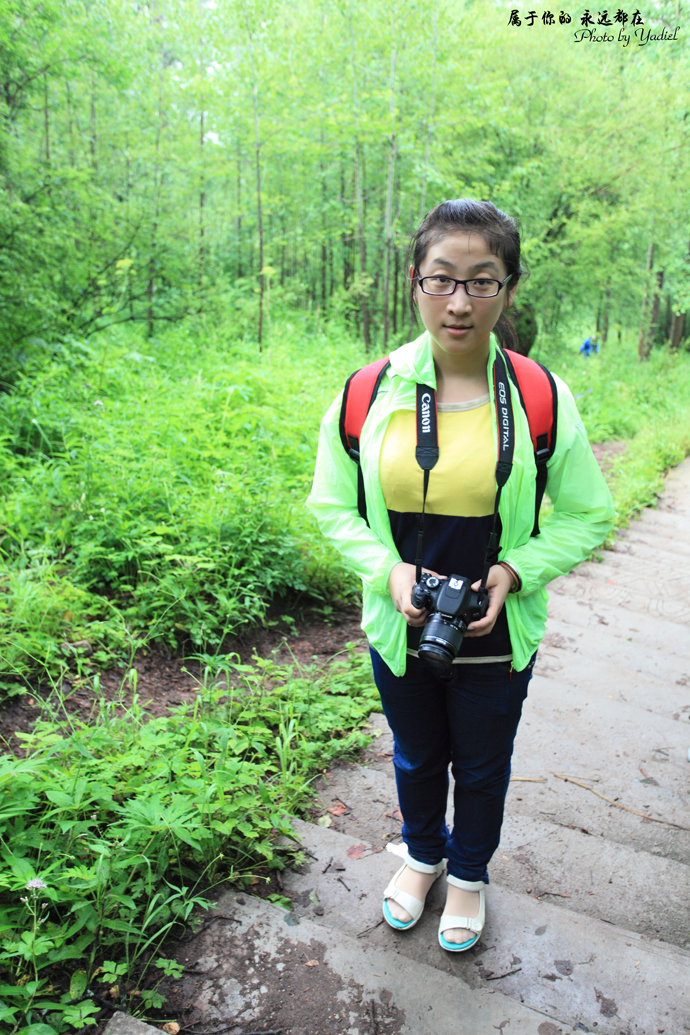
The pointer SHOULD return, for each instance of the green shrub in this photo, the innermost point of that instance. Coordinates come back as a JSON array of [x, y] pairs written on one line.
[[123, 824], [157, 492]]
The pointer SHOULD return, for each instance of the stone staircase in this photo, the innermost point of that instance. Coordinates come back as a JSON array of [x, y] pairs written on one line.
[[589, 906]]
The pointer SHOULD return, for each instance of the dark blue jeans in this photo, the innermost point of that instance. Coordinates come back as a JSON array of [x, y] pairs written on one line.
[[468, 722]]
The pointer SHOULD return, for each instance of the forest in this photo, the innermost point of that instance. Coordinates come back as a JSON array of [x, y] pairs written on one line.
[[204, 223]]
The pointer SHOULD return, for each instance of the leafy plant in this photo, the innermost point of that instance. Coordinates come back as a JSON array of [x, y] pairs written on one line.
[[118, 830]]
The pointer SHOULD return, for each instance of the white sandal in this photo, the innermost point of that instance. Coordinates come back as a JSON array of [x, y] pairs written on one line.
[[467, 923], [408, 902]]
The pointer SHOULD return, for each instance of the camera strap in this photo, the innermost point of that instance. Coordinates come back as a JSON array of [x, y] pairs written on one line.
[[427, 452], [506, 447]]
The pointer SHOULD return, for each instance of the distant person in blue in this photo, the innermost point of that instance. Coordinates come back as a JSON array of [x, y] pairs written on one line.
[[590, 345]]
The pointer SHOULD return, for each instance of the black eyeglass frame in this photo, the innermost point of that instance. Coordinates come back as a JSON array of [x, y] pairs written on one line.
[[447, 294]]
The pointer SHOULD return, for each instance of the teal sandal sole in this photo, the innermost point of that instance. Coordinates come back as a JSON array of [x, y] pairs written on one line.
[[390, 919], [455, 946]]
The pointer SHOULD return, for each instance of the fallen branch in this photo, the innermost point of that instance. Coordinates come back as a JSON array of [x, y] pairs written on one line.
[[367, 930], [497, 977], [652, 819], [528, 779]]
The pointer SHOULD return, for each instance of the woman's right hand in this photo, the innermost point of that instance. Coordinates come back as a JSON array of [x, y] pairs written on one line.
[[400, 582]]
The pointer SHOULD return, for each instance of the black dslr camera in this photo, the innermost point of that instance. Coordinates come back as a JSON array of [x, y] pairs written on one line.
[[453, 605]]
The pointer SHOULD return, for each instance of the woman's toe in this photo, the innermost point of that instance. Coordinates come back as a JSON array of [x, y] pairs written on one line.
[[397, 912], [457, 935]]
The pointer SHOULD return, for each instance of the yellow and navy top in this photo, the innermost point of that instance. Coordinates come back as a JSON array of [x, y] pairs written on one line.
[[459, 505]]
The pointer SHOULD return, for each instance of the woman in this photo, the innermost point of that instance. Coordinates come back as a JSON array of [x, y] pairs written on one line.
[[464, 273]]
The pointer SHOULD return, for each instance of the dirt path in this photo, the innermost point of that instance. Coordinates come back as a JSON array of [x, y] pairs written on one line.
[[165, 680]]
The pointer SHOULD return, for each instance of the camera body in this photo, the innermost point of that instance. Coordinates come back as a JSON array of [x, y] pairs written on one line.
[[452, 605]]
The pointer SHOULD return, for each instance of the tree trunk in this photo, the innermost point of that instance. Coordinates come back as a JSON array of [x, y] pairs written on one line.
[[644, 344], [388, 217], [359, 198], [46, 119], [524, 319], [677, 328], [153, 245], [70, 125], [92, 126], [345, 236], [239, 211], [656, 307], [396, 288], [324, 230], [362, 248], [259, 210], [607, 312], [668, 318], [202, 202], [430, 115]]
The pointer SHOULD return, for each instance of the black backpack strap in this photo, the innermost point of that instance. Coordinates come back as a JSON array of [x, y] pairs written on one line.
[[546, 444], [539, 398]]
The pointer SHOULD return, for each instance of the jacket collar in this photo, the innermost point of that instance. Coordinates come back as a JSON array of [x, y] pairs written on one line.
[[415, 361]]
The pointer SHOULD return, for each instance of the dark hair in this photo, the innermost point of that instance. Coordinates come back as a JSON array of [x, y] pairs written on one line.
[[499, 230]]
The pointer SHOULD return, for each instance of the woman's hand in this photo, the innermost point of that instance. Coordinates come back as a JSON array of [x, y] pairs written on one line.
[[499, 584], [400, 582]]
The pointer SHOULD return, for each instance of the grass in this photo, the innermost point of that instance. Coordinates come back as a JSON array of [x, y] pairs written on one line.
[[646, 405], [154, 491]]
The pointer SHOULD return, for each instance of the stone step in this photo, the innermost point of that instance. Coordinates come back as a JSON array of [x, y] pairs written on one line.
[[628, 754], [269, 970], [634, 648], [650, 632], [572, 866], [568, 730], [668, 550], [647, 577], [662, 523], [637, 536], [605, 595], [575, 970], [607, 668]]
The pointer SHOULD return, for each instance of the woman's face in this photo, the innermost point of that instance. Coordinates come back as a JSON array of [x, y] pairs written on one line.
[[460, 324]]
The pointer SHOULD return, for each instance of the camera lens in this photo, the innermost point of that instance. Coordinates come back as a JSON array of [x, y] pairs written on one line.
[[440, 642]]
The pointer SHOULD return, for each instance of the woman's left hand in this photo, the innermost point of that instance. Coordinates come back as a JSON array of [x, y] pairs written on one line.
[[499, 584]]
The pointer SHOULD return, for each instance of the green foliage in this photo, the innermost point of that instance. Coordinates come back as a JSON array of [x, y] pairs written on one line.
[[130, 143], [617, 395], [117, 829], [646, 405], [159, 494]]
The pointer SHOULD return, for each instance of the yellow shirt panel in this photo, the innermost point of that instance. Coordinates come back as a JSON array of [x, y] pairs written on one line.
[[463, 482]]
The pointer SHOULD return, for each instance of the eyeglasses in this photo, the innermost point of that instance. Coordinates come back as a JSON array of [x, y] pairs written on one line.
[[478, 287]]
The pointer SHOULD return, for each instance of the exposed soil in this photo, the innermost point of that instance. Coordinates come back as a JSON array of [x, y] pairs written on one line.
[[232, 984], [606, 453], [164, 680]]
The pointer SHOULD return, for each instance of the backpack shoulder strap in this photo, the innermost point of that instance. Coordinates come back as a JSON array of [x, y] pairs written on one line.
[[361, 388], [539, 398]]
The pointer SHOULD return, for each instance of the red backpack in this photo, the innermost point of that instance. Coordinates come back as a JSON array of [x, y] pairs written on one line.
[[538, 396]]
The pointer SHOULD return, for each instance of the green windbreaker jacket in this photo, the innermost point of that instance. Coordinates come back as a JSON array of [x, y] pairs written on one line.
[[582, 514]]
